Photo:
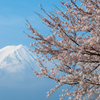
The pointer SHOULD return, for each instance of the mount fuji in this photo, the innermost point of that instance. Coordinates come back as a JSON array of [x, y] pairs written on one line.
[[15, 58], [17, 80]]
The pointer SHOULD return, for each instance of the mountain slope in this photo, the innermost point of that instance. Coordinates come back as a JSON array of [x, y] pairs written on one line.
[[15, 58]]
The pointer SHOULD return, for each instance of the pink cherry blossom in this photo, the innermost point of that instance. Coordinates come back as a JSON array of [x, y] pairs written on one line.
[[73, 47]]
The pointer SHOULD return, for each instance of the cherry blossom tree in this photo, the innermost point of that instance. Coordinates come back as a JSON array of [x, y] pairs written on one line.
[[73, 47]]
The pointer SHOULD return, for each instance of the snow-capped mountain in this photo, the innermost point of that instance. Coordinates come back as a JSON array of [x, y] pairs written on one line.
[[16, 58]]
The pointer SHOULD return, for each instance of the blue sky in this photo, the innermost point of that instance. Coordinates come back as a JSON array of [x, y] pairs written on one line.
[[23, 85], [12, 20]]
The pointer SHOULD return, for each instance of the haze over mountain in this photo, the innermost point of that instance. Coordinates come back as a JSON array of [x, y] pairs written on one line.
[[15, 58], [17, 80]]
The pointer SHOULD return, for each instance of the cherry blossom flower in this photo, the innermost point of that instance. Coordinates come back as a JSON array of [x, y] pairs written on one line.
[[73, 48]]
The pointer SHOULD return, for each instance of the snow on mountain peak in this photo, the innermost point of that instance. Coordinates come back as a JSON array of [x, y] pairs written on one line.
[[14, 58]]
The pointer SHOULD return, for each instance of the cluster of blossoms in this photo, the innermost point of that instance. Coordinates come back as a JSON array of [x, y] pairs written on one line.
[[75, 45]]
